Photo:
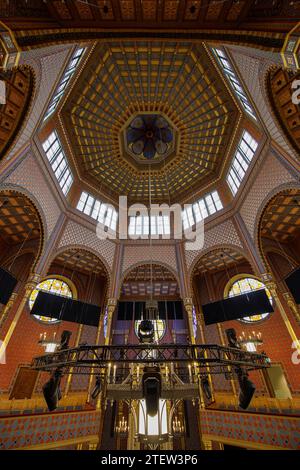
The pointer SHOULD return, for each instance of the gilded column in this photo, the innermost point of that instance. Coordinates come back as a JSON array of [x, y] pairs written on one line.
[[273, 288], [111, 307], [30, 285], [292, 305], [7, 308], [188, 305]]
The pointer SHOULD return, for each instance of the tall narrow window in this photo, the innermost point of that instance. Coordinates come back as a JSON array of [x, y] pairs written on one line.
[[234, 81], [58, 162], [65, 80], [241, 161]]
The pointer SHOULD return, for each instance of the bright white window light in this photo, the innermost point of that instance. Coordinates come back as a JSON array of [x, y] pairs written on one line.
[[62, 86], [234, 81], [241, 161], [153, 425], [58, 162], [141, 225], [208, 205], [98, 210]]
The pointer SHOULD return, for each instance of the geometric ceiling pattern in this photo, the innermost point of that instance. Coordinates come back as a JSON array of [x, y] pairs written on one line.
[[280, 93], [173, 79], [18, 219], [19, 84], [138, 282], [81, 261], [281, 219], [218, 260], [167, 14]]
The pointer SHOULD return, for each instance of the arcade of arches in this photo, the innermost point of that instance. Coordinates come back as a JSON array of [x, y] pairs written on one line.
[[103, 100]]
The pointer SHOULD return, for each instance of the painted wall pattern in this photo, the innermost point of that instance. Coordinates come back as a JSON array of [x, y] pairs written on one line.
[[224, 233], [28, 175], [47, 63], [269, 430], [77, 234], [253, 70], [272, 174], [19, 432], [140, 254]]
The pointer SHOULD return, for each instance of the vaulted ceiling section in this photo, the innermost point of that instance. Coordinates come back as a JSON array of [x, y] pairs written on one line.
[[19, 85], [281, 218], [174, 79], [55, 19]]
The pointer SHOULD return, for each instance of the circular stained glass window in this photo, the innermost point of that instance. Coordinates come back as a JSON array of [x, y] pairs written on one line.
[[248, 284], [159, 329], [55, 286]]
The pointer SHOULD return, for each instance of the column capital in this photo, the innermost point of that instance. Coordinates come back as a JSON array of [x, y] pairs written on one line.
[[270, 283], [292, 304], [188, 303], [112, 304], [33, 281]]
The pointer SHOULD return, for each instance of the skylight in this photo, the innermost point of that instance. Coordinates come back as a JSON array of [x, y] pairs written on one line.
[[208, 205], [235, 83], [98, 210], [241, 161], [58, 162], [62, 86]]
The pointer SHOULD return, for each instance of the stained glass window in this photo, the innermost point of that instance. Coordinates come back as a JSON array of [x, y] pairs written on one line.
[[105, 322], [248, 284], [56, 286], [159, 329], [195, 323]]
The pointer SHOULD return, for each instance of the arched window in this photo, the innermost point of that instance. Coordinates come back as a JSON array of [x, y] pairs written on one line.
[[159, 329], [244, 285], [55, 286]]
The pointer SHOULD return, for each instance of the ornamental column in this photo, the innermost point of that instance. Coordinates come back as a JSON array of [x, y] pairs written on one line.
[[7, 308], [292, 305], [188, 305], [111, 307], [273, 288], [34, 279]]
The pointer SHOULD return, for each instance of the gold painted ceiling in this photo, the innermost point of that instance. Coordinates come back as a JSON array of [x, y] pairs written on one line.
[[124, 79], [281, 219]]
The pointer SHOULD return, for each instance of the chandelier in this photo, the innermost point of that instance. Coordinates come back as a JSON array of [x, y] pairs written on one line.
[[50, 344], [250, 341], [122, 428]]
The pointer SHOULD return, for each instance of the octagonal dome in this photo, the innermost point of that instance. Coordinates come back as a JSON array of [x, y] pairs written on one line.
[[173, 84]]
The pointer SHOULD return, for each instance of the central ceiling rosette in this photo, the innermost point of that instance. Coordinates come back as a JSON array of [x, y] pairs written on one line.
[[149, 136]]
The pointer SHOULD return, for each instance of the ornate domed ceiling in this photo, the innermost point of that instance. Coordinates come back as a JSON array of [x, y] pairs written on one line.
[[19, 90], [150, 106]]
